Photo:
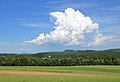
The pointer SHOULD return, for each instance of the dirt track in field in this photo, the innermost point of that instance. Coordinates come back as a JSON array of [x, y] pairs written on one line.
[[41, 73]]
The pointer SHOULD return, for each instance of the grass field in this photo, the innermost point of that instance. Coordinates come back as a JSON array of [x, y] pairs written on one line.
[[60, 74]]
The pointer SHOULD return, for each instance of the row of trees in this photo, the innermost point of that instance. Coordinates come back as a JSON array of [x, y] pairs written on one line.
[[31, 61]]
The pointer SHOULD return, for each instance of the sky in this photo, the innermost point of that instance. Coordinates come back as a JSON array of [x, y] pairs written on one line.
[[32, 26]]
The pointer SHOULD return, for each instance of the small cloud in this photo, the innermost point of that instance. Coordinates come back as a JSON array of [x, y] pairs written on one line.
[[22, 49], [115, 37], [34, 25], [60, 5], [71, 28], [98, 40], [56, 2]]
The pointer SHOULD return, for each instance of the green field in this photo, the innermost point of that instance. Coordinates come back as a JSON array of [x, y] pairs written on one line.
[[60, 74]]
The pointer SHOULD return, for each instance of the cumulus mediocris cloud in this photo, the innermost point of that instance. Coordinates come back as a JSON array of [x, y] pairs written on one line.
[[71, 28]]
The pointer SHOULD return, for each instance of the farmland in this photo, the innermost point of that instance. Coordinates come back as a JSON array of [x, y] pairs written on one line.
[[59, 73]]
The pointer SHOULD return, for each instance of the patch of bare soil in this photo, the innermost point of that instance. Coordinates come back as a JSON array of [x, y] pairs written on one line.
[[42, 73]]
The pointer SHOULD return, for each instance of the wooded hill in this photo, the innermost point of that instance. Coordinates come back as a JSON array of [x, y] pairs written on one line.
[[65, 58], [79, 53]]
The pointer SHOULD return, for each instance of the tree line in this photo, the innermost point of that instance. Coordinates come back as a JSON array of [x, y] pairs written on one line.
[[21, 60]]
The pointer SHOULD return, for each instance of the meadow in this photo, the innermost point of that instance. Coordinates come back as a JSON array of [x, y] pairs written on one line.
[[59, 73]]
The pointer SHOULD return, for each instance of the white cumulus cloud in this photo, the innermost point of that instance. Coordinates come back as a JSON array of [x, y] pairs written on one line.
[[71, 28]]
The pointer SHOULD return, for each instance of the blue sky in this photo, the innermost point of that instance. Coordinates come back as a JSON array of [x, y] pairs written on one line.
[[22, 20]]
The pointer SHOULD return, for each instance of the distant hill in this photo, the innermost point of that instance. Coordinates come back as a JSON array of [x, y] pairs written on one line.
[[113, 50], [79, 53], [74, 54]]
